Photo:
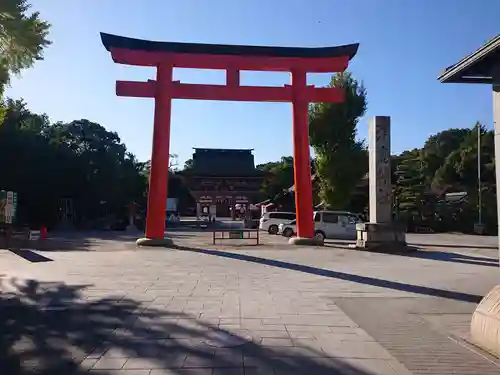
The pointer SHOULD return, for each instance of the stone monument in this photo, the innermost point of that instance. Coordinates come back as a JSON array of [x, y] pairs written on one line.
[[381, 233]]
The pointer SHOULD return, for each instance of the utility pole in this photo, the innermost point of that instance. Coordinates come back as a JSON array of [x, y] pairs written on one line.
[[479, 192]]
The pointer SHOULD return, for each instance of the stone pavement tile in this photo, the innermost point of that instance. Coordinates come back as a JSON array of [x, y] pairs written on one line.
[[301, 335], [121, 372], [399, 368], [302, 328], [257, 323], [229, 321], [109, 364], [297, 352], [196, 361], [276, 342], [316, 366], [374, 367], [230, 327], [208, 314], [143, 363], [258, 371], [412, 341], [315, 320], [229, 371], [223, 358], [346, 349], [273, 321], [190, 371], [270, 334], [229, 313], [96, 353], [307, 343], [149, 349], [261, 313], [180, 342], [87, 364], [228, 357], [251, 361], [209, 321], [115, 353], [343, 334]]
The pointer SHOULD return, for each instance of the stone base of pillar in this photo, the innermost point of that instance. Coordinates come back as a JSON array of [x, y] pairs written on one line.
[[165, 242], [485, 323], [384, 238], [302, 241]]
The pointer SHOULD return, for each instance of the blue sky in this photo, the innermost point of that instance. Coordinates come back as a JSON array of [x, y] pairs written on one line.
[[404, 45]]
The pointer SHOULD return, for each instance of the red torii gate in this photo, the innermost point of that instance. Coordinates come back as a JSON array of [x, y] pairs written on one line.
[[166, 56]]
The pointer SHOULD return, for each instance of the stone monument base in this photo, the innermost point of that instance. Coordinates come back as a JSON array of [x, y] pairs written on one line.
[[165, 242], [302, 241], [384, 238], [485, 323]]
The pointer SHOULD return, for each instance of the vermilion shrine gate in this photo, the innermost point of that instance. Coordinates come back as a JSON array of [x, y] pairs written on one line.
[[166, 56]]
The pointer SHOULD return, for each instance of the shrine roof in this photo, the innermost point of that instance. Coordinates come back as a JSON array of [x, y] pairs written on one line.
[[476, 67], [115, 41], [223, 163]]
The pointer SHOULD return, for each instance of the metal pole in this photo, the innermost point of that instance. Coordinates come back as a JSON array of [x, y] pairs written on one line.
[[479, 193]]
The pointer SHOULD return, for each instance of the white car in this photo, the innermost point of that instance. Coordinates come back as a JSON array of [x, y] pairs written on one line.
[[327, 224], [270, 221]]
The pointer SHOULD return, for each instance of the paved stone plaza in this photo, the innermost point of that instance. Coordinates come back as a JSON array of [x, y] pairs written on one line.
[[95, 303]]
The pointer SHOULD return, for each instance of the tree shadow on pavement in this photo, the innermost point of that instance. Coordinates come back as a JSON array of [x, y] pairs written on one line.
[[52, 329], [95, 240], [454, 246], [446, 256], [367, 280]]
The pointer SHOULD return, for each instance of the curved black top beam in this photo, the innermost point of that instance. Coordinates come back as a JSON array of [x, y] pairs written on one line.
[[116, 41]]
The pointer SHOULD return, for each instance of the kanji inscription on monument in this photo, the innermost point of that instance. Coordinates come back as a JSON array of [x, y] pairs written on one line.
[[380, 170]]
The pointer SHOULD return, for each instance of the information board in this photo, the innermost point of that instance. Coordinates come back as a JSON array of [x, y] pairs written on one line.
[[8, 207]]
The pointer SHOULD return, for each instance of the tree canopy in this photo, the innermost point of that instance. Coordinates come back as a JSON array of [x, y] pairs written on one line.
[[341, 160], [23, 37], [278, 176], [80, 160], [448, 163]]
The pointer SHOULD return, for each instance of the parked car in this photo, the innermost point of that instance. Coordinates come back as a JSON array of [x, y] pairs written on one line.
[[271, 220], [327, 224]]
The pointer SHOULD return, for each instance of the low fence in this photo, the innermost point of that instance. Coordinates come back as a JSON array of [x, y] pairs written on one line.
[[236, 235]]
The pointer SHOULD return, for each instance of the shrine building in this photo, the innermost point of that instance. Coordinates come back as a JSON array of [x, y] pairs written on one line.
[[220, 179]]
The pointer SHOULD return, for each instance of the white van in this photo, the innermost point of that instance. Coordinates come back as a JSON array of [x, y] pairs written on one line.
[[327, 224], [270, 221]]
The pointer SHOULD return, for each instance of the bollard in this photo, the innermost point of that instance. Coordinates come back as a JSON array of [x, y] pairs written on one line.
[[43, 232]]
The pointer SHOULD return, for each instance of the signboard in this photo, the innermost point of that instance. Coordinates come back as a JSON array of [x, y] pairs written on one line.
[[8, 207], [35, 235], [236, 234]]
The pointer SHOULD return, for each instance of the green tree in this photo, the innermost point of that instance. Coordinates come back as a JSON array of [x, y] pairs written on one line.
[[458, 169], [410, 184], [459, 172], [341, 160], [79, 160], [23, 37], [188, 164], [278, 177], [448, 162], [437, 148]]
